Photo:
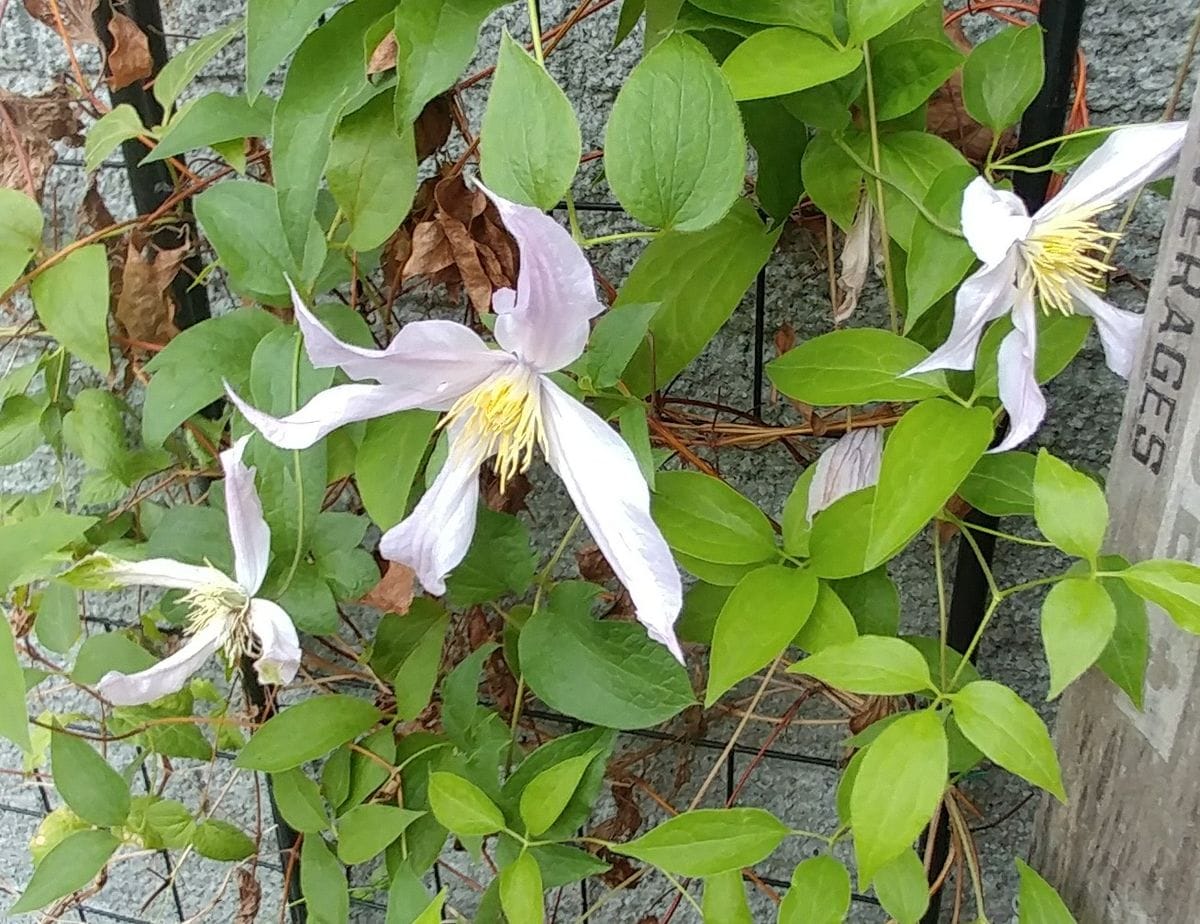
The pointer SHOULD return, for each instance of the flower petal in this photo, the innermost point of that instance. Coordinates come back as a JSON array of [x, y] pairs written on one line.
[[279, 657], [1120, 331], [435, 537], [850, 464], [992, 220], [546, 321], [856, 260], [609, 492], [1128, 158], [248, 531], [167, 676], [983, 297], [1019, 391], [99, 571]]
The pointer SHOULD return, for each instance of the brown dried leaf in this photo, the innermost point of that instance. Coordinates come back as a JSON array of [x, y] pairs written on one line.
[[249, 897], [129, 61], [785, 338], [593, 566], [431, 251], [474, 278], [29, 126], [76, 17], [383, 58], [394, 592], [432, 127], [512, 498], [145, 309]]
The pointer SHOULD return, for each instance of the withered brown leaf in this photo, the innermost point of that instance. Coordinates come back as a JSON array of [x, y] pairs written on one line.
[[29, 127], [129, 61], [145, 308], [383, 58], [394, 592], [76, 17]]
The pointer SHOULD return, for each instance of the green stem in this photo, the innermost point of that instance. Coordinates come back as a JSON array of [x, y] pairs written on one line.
[[943, 617], [963, 525], [573, 218], [297, 472], [682, 891], [1039, 582], [1002, 163], [983, 563], [544, 575], [888, 276], [536, 27], [983, 624], [621, 236]]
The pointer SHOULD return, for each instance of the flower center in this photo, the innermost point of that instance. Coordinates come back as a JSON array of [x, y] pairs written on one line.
[[223, 606], [502, 416], [1064, 251]]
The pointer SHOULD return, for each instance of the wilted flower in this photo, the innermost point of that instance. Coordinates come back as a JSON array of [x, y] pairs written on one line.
[[1055, 257], [225, 614], [850, 464], [500, 405]]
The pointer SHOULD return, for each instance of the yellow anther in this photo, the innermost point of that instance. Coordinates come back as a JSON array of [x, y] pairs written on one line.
[[226, 607], [502, 416], [1064, 250]]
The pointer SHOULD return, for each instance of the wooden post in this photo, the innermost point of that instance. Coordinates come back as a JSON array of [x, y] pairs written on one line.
[[1124, 850]]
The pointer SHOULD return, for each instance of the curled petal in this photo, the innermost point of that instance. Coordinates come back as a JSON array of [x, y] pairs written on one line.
[[992, 220], [167, 676], [103, 572], [435, 537], [248, 531], [1128, 158], [279, 648], [856, 260], [983, 297], [850, 464], [1019, 391], [1120, 331], [545, 322], [611, 496]]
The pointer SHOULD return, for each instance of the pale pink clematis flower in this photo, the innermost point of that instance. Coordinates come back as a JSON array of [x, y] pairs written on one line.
[[1054, 256], [225, 614], [499, 404], [850, 464]]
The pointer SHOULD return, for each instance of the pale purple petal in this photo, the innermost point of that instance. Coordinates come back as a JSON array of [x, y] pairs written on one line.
[[992, 220], [167, 676], [604, 481], [849, 465], [99, 571], [1128, 158], [435, 537], [546, 322], [279, 648], [856, 260], [1016, 367], [248, 531], [983, 297], [1120, 331]]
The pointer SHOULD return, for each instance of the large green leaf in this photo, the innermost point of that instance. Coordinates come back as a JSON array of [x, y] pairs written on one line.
[[1037, 902], [819, 893], [1001, 483], [937, 260], [1059, 338], [299, 801], [1124, 658], [907, 72], [94, 790], [1069, 507], [675, 93], [14, 722], [273, 30], [407, 653], [910, 163], [775, 62], [387, 461], [703, 517], [831, 179], [25, 543], [903, 888], [20, 234], [71, 300], [462, 806], [1078, 619], [705, 842], [1003, 75], [210, 120], [120, 124], [1173, 585], [499, 561], [547, 795], [725, 899], [594, 743], [185, 65], [70, 865], [323, 883], [305, 731], [779, 140], [366, 830], [813, 15], [870, 664], [868, 18], [521, 890]]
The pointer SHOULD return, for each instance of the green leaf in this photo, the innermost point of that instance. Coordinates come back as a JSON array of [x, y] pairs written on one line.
[[118, 125], [387, 461], [372, 173], [931, 651], [1037, 902], [705, 842], [614, 340], [705, 518], [369, 762], [779, 140], [14, 724], [407, 652], [702, 605], [71, 299], [757, 623], [867, 18], [631, 13], [1003, 75], [675, 92], [21, 428], [58, 626], [108, 651], [898, 787], [1001, 484], [299, 801], [813, 15], [211, 120], [20, 234], [725, 899], [795, 525], [602, 672], [273, 30], [365, 830], [1124, 658], [778, 61], [1069, 507], [698, 280], [906, 73], [499, 561], [94, 790], [1078, 619], [521, 891], [462, 806], [1173, 585], [219, 840], [323, 883], [547, 795], [831, 623], [873, 601], [530, 142], [71, 865], [305, 731], [25, 543], [433, 913], [1002, 725], [937, 261], [461, 711], [1060, 337], [171, 822], [407, 897], [596, 744], [903, 889], [870, 664], [819, 893], [183, 68], [855, 366], [910, 163], [831, 179]]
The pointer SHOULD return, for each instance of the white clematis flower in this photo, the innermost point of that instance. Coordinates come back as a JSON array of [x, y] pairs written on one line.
[[849, 465], [499, 405], [225, 614], [1054, 257]]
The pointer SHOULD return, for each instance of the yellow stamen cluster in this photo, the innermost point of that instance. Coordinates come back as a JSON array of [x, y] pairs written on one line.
[[1065, 249], [502, 416], [223, 605]]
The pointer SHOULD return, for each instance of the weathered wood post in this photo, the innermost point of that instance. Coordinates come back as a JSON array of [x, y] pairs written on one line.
[[1124, 850]]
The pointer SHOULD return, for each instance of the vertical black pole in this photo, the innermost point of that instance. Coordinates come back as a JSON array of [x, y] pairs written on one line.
[[1061, 22]]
